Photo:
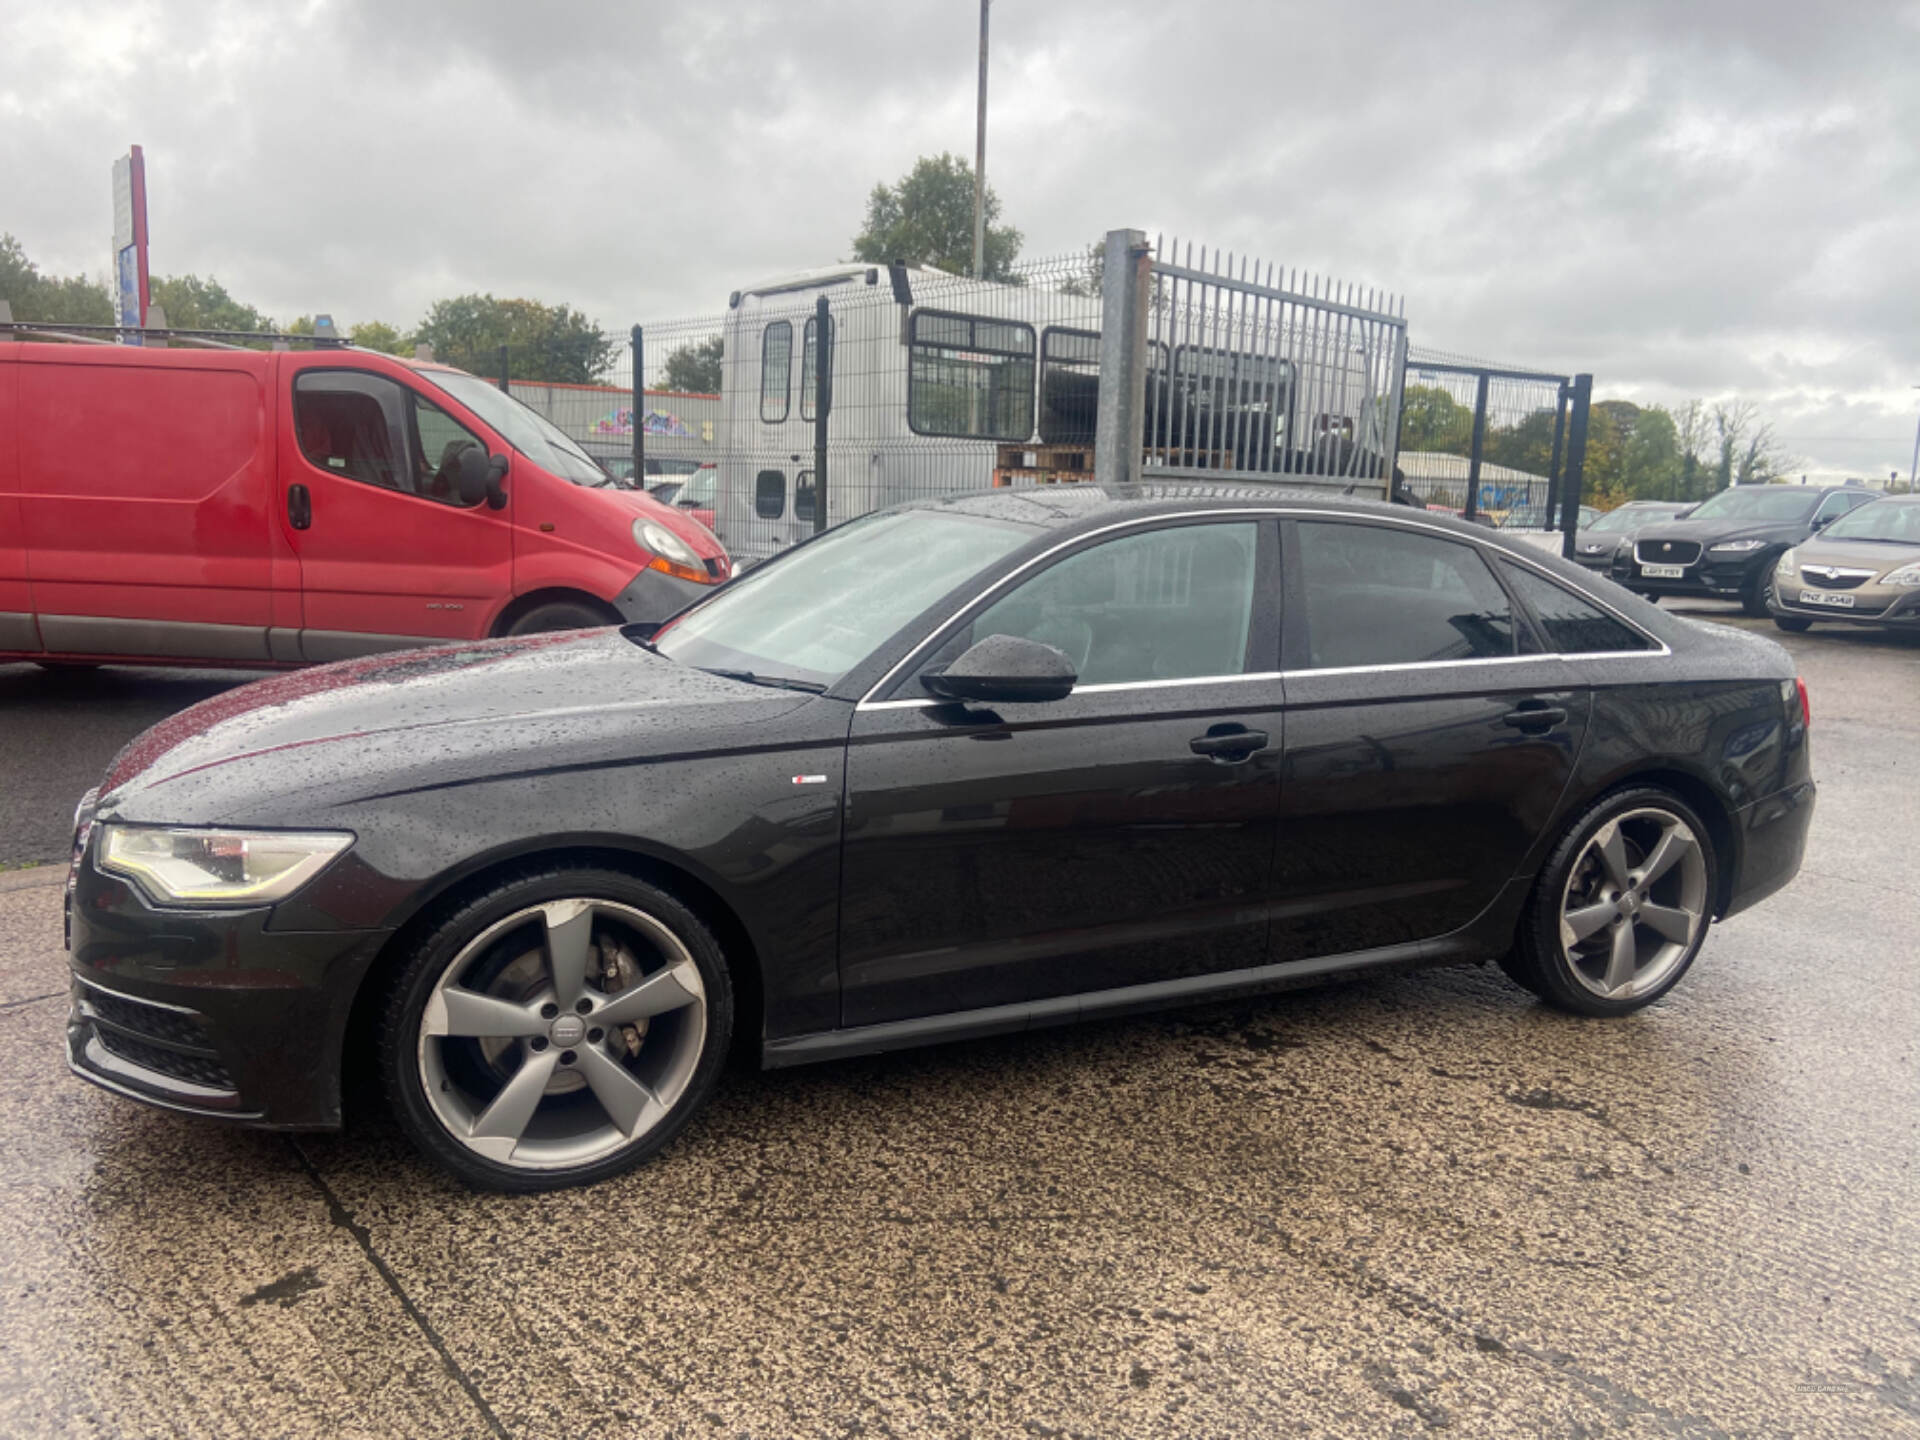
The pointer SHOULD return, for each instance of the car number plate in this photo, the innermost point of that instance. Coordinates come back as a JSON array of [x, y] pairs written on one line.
[[1821, 597], [1663, 572]]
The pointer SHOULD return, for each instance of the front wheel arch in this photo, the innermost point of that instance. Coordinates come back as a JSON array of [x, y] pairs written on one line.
[[521, 605], [737, 947]]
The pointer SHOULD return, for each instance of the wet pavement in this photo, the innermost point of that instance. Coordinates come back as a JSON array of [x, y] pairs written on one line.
[[1385, 1208]]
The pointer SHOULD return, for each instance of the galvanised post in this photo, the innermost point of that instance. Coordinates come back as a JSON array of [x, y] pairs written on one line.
[[1125, 283], [1576, 460], [503, 371]]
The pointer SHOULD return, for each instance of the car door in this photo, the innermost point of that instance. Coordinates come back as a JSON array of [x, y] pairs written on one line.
[[1121, 835], [1425, 748], [389, 553]]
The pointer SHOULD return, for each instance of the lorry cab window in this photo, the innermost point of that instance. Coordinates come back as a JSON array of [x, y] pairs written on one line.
[[776, 371], [970, 376]]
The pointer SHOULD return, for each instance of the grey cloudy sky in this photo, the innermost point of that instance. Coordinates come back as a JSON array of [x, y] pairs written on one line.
[[1695, 197]]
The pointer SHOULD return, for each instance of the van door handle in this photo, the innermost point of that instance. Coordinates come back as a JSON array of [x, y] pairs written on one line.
[[299, 507], [1229, 744], [1536, 717]]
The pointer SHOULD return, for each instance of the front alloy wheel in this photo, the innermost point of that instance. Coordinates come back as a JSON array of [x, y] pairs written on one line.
[[539, 1039]]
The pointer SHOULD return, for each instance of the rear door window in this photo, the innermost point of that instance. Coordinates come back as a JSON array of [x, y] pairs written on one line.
[[1569, 624], [1375, 595]]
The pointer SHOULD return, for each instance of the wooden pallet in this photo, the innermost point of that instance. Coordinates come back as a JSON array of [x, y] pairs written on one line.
[[1042, 464]]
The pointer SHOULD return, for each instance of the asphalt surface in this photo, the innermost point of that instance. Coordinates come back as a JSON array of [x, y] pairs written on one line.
[[1387, 1208]]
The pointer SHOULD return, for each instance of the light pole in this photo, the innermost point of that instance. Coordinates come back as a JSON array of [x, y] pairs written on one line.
[[980, 157], [1911, 477]]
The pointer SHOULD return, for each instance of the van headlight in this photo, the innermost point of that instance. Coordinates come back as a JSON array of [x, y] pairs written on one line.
[[217, 867], [671, 555]]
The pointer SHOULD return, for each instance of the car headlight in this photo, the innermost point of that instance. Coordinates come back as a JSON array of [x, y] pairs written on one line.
[[1788, 563], [1592, 549], [1905, 575], [1736, 547], [671, 555], [217, 867]]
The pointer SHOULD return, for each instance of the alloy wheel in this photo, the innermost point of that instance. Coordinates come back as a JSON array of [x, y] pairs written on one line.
[[1635, 903], [562, 1034]]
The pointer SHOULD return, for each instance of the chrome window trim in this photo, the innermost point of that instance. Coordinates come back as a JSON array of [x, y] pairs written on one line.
[[1660, 648]]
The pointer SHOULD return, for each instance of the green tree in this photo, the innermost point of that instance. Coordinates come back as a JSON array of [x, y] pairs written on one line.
[[378, 335], [1432, 420], [1650, 462], [49, 299], [695, 369], [544, 342], [927, 219], [191, 303]]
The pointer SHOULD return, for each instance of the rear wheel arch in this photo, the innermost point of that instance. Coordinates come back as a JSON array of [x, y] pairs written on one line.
[[737, 947], [1698, 794]]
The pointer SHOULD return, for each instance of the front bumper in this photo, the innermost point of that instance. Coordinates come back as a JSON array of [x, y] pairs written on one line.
[[1710, 576], [651, 597], [211, 1012], [1897, 607]]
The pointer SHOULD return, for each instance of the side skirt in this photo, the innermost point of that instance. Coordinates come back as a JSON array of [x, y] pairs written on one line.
[[1099, 1004]]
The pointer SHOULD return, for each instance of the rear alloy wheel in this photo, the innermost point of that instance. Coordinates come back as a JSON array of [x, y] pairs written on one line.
[[1621, 907], [557, 1031]]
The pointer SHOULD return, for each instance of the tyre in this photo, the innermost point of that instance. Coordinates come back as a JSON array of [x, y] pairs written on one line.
[[1753, 595], [560, 615], [1621, 907], [558, 1029], [1793, 624]]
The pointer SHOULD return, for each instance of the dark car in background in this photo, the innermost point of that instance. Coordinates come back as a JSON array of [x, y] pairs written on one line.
[[1727, 546], [962, 768], [1864, 569], [1596, 541]]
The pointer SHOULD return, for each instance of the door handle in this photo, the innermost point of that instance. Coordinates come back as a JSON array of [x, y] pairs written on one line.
[[1229, 744], [299, 507], [1535, 717]]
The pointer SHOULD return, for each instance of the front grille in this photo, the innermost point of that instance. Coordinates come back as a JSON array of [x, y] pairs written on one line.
[[1833, 577], [1666, 552], [201, 1070], [174, 1027]]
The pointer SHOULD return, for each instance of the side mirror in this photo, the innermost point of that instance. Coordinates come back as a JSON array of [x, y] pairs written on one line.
[[1820, 522], [1005, 669], [480, 476], [496, 483]]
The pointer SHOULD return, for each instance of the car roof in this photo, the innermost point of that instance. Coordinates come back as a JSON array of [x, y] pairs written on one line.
[[1082, 505]]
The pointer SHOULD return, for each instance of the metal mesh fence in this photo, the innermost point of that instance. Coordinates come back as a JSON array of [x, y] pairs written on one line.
[[1454, 408]]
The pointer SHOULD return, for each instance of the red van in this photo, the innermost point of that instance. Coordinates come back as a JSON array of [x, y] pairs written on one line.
[[274, 509]]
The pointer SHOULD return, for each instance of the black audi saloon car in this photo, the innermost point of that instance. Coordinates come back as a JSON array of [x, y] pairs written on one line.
[[1728, 545], [961, 768]]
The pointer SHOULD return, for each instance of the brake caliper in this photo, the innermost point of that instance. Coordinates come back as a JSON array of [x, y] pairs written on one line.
[[618, 970]]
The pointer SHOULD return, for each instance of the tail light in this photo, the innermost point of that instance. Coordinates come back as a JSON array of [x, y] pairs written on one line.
[[1806, 708]]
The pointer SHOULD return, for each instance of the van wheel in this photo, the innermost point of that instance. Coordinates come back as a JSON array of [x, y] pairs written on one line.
[[1621, 907], [560, 615]]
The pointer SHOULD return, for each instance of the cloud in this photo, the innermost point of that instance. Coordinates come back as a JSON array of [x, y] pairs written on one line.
[[1683, 199]]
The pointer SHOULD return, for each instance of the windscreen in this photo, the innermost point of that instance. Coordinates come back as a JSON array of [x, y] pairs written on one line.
[[820, 610], [1617, 520], [1759, 503], [528, 431], [1894, 520]]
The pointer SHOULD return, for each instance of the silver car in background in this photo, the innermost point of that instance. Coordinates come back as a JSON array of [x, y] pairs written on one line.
[[1863, 569]]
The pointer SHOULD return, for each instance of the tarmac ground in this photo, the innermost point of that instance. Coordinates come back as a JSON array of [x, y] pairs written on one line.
[[1383, 1208]]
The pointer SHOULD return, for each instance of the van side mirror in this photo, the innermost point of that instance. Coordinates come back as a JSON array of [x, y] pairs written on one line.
[[1005, 669], [480, 478]]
